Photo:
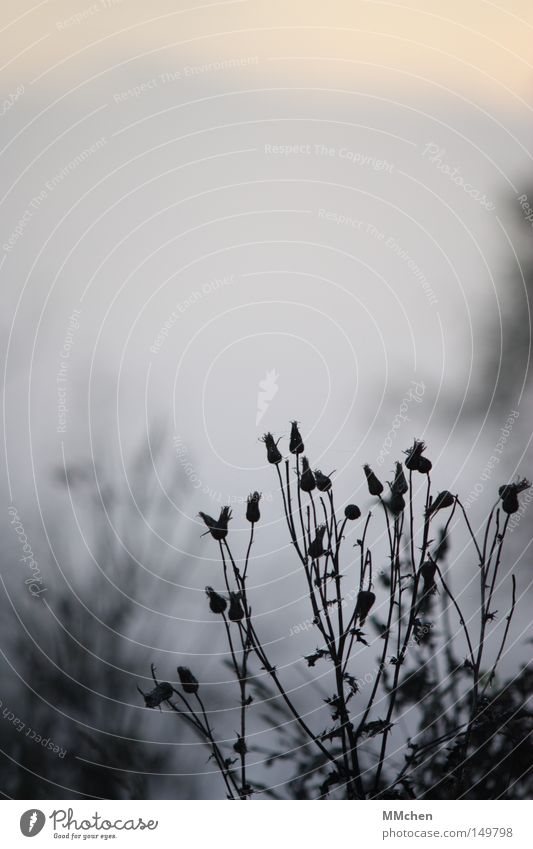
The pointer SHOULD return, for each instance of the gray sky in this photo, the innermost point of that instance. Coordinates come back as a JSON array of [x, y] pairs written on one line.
[[221, 219]]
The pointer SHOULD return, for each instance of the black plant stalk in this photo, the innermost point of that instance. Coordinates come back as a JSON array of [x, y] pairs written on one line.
[[260, 652], [485, 616], [401, 655], [204, 731]]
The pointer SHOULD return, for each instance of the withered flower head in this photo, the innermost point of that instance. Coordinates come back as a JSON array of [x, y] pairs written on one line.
[[424, 466], [217, 603], [252, 507], [160, 693], [509, 495], [414, 454], [236, 613], [187, 679], [444, 499], [323, 482], [273, 452], [427, 573], [307, 478], [218, 527], [316, 547], [352, 512], [296, 445], [365, 601], [375, 487], [399, 485]]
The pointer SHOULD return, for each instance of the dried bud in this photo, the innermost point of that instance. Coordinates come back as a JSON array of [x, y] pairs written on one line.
[[427, 573], [399, 485], [509, 495], [424, 466], [352, 512], [396, 502], [323, 482], [316, 547], [296, 445], [414, 454], [307, 478], [160, 693], [273, 452], [252, 508], [444, 499], [240, 746], [375, 487], [217, 603], [365, 601], [218, 527], [236, 613], [187, 679]]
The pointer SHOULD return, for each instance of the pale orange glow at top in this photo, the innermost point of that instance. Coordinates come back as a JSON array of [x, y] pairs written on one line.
[[475, 48]]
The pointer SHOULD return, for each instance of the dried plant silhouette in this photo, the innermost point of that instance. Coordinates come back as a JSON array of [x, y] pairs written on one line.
[[435, 665]]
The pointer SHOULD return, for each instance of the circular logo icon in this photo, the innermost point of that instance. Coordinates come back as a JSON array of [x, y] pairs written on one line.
[[32, 822]]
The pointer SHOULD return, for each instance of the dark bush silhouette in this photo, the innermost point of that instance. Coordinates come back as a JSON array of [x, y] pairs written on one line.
[[471, 737]]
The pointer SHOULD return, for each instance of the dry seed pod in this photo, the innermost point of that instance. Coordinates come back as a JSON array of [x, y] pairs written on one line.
[[316, 547], [375, 487], [187, 680], [273, 452], [160, 693], [444, 499], [296, 445], [235, 613], [428, 570], [365, 601], [218, 527], [509, 495], [217, 603], [323, 482], [414, 455], [307, 478], [252, 507]]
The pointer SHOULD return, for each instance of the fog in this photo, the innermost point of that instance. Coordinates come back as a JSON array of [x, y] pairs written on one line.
[[199, 245]]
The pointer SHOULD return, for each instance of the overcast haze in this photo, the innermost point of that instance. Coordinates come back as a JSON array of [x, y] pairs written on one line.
[[220, 218]]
